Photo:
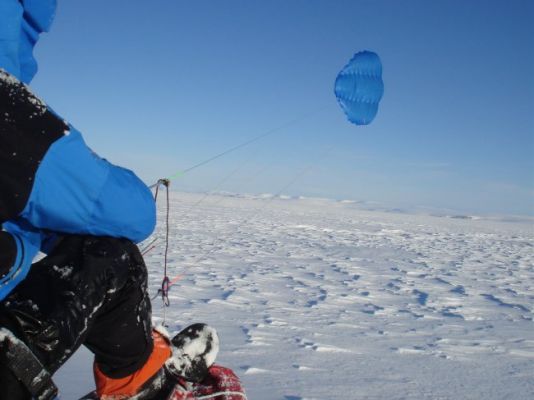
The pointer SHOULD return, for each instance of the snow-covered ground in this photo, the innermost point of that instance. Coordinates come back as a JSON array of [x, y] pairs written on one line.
[[316, 299]]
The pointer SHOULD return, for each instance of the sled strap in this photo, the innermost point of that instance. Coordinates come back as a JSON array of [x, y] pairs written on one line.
[[26, 367]]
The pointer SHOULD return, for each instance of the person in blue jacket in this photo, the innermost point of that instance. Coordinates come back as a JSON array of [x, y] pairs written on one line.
[[85, 214]]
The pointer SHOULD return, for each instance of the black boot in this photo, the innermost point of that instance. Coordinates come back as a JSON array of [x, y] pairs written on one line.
[[194, 350]]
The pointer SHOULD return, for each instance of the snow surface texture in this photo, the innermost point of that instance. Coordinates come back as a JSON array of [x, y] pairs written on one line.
[[316, 299]]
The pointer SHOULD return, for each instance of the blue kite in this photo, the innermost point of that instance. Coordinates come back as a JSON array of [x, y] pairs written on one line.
[[359, 87]]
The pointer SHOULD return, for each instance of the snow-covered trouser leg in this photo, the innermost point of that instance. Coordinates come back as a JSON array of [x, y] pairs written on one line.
[[91, 291]]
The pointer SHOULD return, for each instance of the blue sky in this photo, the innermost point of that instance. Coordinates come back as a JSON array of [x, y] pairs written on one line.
[[158, 86]]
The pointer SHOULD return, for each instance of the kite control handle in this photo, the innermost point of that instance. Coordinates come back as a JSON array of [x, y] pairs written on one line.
[[164, 181]]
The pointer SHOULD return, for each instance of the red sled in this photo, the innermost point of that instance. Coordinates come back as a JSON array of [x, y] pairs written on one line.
[[220, 384]]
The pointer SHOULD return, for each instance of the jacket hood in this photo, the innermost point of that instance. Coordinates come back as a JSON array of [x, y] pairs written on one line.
[[21, 22]]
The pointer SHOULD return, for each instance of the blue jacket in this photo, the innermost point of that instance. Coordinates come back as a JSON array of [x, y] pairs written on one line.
[[50, 181]]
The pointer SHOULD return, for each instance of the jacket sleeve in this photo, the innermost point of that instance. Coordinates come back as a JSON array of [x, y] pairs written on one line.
[[52, 179], [75, 191]]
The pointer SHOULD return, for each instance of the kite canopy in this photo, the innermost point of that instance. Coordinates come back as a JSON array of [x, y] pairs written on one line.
[[359, 87]]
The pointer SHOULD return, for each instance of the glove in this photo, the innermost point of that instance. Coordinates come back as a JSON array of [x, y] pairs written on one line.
[[27, 242], [8, 252]]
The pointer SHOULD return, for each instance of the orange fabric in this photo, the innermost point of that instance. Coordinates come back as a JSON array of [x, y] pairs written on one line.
[[108, 388]]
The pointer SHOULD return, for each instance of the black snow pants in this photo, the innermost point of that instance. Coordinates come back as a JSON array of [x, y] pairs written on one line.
[[88, 290]]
